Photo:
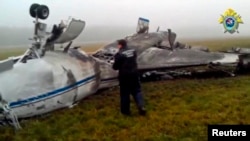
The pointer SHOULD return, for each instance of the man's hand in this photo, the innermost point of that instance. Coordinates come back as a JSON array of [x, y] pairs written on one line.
[[112, 61]]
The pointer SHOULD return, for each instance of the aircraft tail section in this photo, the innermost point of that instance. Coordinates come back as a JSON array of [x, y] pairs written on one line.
[[73, 30], [142, 26]]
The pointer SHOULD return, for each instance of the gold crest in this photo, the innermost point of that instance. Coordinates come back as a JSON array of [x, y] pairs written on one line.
[[230, 20]]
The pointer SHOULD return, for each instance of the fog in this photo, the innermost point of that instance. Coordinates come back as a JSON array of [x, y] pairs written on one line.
[[112, 19]]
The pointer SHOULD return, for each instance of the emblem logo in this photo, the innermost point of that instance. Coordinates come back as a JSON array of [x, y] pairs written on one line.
[[230, 20]]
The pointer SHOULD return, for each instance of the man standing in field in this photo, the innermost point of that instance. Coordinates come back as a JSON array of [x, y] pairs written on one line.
[[126, 63]]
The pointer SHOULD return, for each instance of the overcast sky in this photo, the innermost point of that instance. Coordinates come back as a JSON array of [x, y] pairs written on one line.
[[175, 14]]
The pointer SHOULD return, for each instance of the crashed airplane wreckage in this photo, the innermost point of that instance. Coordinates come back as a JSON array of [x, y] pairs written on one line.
[[160, 56], [44, 79]]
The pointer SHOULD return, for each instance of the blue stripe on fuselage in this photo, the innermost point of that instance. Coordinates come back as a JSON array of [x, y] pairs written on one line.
[[51, 94]]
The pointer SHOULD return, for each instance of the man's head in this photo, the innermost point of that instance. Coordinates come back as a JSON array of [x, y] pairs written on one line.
[[122, 43]]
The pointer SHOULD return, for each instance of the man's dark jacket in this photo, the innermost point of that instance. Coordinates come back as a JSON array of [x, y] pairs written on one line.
[[126, 63]]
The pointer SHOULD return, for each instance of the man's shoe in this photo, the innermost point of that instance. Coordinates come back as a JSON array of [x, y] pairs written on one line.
[[142, 111]]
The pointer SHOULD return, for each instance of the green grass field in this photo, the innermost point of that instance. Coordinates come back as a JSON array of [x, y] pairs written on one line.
[[7, 52], [222, 44], [178, 109]]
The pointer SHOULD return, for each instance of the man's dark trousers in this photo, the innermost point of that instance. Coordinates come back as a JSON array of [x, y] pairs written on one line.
[[130, 84]]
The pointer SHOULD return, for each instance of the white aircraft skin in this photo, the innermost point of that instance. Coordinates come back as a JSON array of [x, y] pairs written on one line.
[[43, 85]]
